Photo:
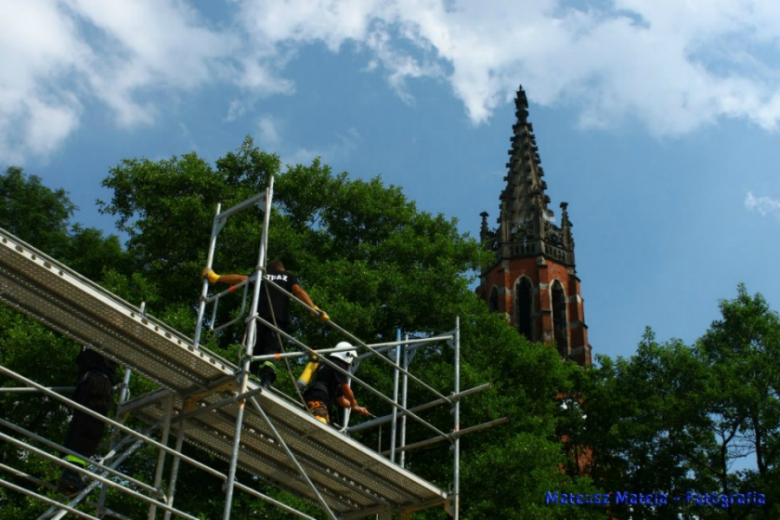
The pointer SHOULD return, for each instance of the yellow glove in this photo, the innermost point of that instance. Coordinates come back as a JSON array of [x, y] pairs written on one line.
[[319, 312], [210, 274]]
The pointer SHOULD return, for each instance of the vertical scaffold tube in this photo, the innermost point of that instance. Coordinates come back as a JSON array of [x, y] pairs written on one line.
[[204, 292], [175, 468], [456, 505], [404, 393], [394, 424], [249, 347], [123, 396], [161, 457]]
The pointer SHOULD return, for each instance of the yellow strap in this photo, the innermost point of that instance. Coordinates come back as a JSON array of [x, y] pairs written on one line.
[[76, 460]]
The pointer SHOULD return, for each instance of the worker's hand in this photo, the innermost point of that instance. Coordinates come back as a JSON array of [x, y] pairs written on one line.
[[210, 274], [362, 410], [317, 312]]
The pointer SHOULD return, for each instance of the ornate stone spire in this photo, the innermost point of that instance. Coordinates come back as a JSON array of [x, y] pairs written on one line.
[[525, 223], [485, 235]]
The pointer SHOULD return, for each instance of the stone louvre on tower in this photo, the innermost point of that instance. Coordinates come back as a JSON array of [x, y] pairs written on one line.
[[533, 280]]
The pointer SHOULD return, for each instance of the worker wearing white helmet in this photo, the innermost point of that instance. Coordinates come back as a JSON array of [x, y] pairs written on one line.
[[329, 387]]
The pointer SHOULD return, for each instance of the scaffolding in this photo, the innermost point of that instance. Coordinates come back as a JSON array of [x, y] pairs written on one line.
[[211, 403]]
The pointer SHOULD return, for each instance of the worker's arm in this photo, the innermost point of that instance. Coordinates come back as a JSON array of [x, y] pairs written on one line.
[[347, 400], [230, 279], [302, 295], [299, 293]]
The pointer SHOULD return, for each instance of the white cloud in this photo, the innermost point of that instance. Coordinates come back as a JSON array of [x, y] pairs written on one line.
[[762, 205], [35, 115], [343, 147], [268, 137], [675, 66]]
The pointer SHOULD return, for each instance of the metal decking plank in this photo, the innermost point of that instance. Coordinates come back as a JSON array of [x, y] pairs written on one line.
[[319, 472], [40, 288], [354, 462], [386, 484], [87, 333], [258, 439], [201, 435]]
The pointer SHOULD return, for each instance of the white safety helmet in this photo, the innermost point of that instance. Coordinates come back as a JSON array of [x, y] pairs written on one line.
[[347, 356]]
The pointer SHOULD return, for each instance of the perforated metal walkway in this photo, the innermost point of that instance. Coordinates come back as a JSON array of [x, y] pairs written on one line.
[[354, 480]]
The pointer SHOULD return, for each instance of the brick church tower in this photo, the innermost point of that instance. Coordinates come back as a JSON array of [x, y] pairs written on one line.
[[533, 280]]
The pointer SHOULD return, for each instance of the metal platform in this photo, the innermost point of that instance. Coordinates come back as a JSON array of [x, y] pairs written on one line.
[[354, 480]]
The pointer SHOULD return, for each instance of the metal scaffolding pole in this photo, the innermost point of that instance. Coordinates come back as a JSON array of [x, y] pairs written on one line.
[[293, 459], [394, 423], [175, 468], [204, 291], [41, 453], [404, 394], [456, 490], [248, 348], [124, 393], [45, 500], [161, 456], [419, 408]]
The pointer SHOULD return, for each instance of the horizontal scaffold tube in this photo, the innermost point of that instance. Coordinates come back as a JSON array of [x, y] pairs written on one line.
[[45, 500], [457, 435], [316, 352], [260, 197], [26, 390], [418, 408]]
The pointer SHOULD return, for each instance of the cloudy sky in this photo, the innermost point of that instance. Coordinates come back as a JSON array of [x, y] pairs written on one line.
[[657, 121]]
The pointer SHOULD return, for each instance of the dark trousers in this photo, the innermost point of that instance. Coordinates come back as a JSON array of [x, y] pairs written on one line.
[[268, 342]]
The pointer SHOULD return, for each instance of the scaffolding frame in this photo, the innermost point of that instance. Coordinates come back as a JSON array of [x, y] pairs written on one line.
[[203, 398]]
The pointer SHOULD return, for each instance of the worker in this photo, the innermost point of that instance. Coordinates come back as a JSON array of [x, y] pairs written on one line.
[[274, 307], [329, 386], [95, 390]]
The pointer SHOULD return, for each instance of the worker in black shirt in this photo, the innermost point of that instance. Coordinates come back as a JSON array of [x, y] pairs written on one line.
[[328, 386], [95, 390], [274, 307]]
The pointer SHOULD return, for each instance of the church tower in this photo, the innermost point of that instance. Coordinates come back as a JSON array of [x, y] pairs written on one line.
[[533, 280]]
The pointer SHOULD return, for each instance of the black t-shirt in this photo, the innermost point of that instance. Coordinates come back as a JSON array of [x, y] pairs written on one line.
[[280, 302], [326, 385], [89, 360]]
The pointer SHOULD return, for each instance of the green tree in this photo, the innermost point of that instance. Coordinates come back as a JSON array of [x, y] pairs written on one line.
[[674, 418], [743, 351], [33, 212], [648, 425]]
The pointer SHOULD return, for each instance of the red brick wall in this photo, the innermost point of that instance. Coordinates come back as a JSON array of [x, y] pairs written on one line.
[[505, 275]]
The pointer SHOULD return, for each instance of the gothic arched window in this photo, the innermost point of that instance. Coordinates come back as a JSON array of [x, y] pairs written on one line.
[[559, 318], [524, 303], [493, 302]]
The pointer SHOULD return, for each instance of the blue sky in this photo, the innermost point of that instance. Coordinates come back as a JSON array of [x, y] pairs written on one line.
[[657, 121]]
